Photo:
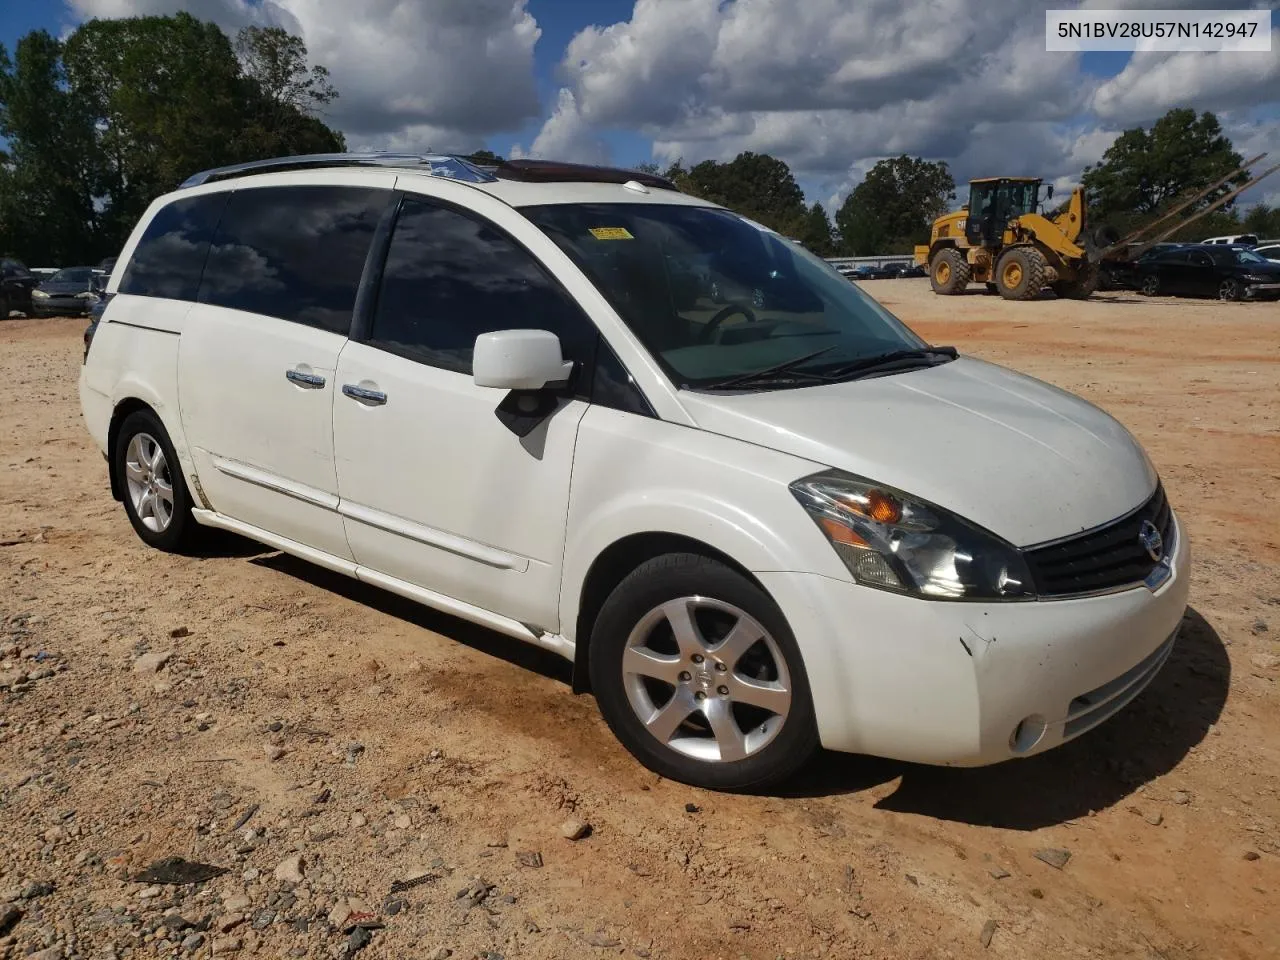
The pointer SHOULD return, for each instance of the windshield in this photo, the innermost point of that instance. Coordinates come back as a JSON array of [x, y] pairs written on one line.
[[712, 295], [1248, 256], [73, 275]]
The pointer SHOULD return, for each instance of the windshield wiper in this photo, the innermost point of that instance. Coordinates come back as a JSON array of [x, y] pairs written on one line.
[[895, 360], [774, 372]]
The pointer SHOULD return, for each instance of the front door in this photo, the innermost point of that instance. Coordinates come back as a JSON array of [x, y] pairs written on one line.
[[435, 490], [259, 354]]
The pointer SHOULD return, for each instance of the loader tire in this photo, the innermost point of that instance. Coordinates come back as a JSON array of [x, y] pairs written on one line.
[[1020, 273], [1080, 288], [949, 272]]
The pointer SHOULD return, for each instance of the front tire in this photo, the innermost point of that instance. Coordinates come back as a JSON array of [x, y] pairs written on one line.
[[698, 675], [1150, 285], [1020, 273], [1229, 289], [949, 272], [156, 499]]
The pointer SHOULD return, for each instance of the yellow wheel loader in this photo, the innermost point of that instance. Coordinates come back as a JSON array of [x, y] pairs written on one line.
[[1001, 239]]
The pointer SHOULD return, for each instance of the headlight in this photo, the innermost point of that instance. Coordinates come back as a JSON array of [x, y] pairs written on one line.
[[39, 295], [893, 541], [1251, 278]]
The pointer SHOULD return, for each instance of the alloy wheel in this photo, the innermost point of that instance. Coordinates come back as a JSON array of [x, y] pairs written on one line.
[[1228, 289], [150, 484], [1150, 285], [706, 679]]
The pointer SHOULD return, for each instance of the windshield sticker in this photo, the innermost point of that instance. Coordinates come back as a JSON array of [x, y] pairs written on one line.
[[611, 233]]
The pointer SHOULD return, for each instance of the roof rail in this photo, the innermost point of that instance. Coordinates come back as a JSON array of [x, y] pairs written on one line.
[[436, 165]]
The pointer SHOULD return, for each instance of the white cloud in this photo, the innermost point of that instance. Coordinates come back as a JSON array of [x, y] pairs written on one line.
[[411, 74], [566, 136]]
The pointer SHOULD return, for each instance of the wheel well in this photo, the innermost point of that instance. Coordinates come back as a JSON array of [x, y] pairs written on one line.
[[940, 245], [612, 567], [123, 409]]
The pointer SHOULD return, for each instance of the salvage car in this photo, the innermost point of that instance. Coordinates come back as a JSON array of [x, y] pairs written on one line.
[[16, 284], [754, 528], [1209, 270], [68, 293]]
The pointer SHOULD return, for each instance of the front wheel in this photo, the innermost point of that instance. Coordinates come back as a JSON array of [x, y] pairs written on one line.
[[1229, 289], [698, 675], [1150, 285], [155, 491], [1020, 273]]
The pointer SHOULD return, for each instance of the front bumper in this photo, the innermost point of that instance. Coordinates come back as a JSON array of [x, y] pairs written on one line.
[[61, 307], [950, 683]]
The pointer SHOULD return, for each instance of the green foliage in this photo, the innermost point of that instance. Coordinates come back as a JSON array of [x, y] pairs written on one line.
[[755, 185], [485, 158], [815, 232], [46, 202], [100, 125], [1146, 171], [1262, 221], [893, 208]]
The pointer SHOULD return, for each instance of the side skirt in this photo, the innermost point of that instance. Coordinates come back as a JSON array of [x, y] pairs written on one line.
[[437, 601]]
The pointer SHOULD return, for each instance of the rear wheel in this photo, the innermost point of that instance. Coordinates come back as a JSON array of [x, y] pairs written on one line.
[[949, 272], [698, 675], [1080, 288], [1020, 273], [1150, 285], [155, 491]]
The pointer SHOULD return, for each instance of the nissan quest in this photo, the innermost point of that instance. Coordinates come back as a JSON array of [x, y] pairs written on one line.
[[755, 510]]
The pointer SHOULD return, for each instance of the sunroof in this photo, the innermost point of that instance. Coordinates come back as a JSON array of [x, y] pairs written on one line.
[[553, 171]]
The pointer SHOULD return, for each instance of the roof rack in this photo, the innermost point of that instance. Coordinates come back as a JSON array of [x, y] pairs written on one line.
[[436, 165], [554, 171]]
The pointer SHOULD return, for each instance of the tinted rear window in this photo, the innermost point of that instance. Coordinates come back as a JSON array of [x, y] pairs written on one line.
[[293, 252], [172, 251]]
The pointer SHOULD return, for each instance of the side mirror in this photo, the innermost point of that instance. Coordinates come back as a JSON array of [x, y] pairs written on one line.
[[1049, 194], [519, 360]]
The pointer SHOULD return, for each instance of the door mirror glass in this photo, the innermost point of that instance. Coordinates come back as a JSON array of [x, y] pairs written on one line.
[[519, 360]]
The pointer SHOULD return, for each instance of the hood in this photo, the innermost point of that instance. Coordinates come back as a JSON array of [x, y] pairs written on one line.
[[1021, 458]]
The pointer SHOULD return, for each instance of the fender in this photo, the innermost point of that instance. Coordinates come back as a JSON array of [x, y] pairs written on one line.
[[640, 475], [133, 387]]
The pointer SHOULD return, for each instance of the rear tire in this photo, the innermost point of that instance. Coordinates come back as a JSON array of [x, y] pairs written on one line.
[[1150, 286], [1020, 273], [699, 676], [154, 490], [949, 272], [1079, 289]]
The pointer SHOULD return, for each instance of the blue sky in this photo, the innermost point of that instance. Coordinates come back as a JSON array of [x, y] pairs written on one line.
[[830, 86]]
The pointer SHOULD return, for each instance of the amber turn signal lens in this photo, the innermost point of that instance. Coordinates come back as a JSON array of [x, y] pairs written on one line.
[[883, 508], [839, 533]]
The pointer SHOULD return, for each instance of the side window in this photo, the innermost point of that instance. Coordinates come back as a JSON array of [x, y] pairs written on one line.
[[615, 388], [169, 257], [296, 253], [449, 278]]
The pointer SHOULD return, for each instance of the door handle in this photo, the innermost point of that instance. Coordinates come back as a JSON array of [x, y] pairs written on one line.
[[311, 380], [370, 398]]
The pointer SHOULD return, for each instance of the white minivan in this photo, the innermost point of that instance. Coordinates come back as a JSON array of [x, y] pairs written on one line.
[[572, 404]]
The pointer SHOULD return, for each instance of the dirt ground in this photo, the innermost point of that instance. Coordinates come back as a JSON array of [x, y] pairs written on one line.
[[383, 742]]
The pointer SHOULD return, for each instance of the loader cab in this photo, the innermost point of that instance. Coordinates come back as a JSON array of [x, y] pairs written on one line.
[[993, 202]]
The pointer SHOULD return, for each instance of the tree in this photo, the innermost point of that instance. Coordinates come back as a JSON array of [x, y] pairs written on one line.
[[277, 62], [755, 185], [1145, 171], [98, 126], [815, 232], [894, 206], [47, 211], [1262, 221], [485, 157]]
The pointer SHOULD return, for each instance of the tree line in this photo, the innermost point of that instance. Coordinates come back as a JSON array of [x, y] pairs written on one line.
[[98, 124]]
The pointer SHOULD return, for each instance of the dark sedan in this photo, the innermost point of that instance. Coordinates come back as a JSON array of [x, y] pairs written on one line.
[[68, 293], [1210, 270], [16, 284]]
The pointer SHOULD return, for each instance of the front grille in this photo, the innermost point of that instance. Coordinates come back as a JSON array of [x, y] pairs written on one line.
[[1102, 559]]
